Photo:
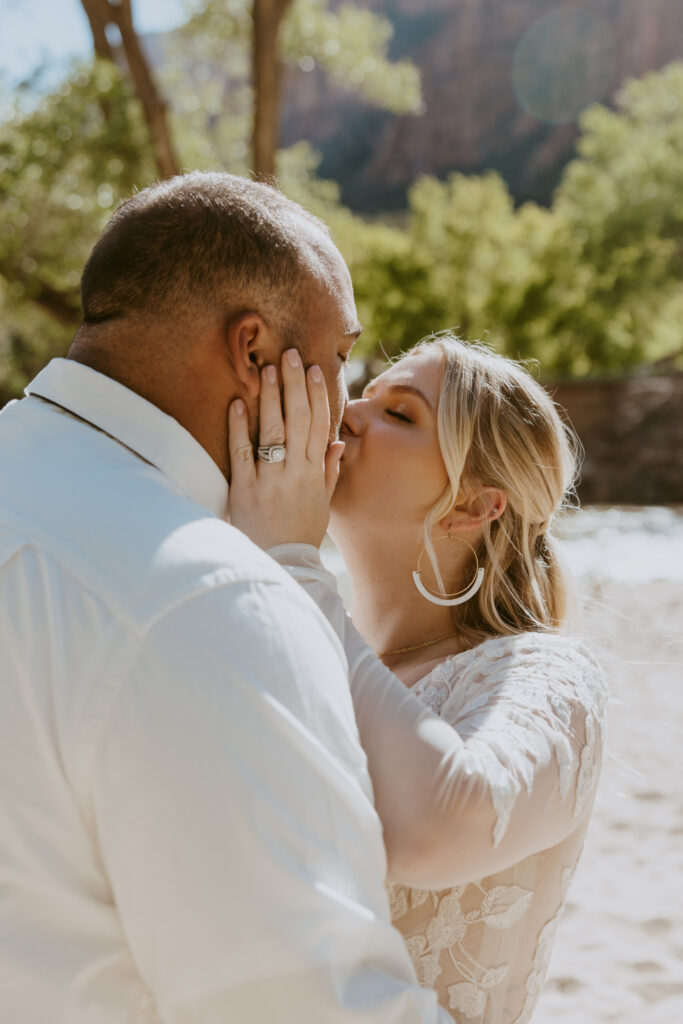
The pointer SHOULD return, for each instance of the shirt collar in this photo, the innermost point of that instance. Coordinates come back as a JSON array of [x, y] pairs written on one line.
[[138, 424]]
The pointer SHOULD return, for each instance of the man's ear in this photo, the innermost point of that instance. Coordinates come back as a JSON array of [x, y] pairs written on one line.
[[251, 345], [480, 507]]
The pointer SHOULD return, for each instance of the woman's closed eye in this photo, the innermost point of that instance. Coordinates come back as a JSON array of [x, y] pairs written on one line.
[[398, 415]]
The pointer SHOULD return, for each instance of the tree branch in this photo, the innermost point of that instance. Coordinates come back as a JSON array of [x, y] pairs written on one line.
[[106, 12], [96, 12], [97, 17], [154, 107], [266, 81], [281, 7], [62, 306]]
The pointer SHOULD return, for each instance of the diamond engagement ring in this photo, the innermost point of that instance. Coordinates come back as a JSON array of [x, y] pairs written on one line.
[[272, 453]]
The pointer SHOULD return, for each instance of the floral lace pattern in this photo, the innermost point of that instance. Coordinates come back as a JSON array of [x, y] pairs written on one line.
[[544, 946], [501, 906], [485, 946]]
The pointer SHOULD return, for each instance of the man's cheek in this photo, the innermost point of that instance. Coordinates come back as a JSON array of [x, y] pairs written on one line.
[[337, 396]]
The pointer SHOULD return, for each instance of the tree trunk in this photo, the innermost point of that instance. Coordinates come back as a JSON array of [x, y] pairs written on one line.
[[266, 80], [97, 15], [101, 13], [98, 27], [64, 307]]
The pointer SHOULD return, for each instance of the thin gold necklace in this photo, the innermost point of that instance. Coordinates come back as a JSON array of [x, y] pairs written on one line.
[[416, 647]]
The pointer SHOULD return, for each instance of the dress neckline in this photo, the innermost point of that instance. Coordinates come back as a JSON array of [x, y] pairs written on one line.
[[488, 641], [450, 658]]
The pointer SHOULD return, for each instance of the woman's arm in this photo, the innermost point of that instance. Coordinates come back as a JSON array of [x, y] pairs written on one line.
[[501, 777]]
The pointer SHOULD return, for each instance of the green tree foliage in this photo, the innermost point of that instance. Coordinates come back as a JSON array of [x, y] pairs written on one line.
[[592, 285], [621, 204], [351, 45], [468, 261], [64, 165], [67, 160], [207, 63]]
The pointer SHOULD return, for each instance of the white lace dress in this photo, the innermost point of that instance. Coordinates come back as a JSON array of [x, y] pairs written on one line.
[[485, 772], [485, 945]]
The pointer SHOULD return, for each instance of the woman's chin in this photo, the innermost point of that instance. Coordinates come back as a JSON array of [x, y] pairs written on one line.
[[340, 496], [335, 519], [343, 536], [340, 517]]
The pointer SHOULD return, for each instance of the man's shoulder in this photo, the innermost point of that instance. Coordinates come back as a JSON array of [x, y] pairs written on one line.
[[120, 527], [200, 555], [142, 575]]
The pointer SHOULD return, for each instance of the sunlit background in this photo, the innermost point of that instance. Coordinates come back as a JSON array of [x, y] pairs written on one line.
[[512, 169], [48, 34]]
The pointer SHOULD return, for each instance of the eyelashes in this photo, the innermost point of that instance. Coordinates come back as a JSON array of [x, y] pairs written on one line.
[[398, 415]]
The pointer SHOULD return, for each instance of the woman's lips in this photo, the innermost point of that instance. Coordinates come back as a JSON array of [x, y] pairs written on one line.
[[348, 440]]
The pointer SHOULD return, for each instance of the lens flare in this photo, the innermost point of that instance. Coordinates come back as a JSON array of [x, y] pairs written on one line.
[[563, 63]]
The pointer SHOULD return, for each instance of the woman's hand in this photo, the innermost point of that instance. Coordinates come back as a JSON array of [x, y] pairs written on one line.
[[284, 502]]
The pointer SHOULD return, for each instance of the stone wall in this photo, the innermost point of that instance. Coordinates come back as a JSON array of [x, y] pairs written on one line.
[[632, 432]]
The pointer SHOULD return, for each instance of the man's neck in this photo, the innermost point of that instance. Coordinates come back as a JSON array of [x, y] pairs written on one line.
[[178, 387]]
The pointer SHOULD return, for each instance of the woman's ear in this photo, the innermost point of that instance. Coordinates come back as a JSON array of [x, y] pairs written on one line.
[[478, 508], [251, 345]]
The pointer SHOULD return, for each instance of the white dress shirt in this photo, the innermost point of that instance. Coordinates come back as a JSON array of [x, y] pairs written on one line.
[[187, 832]]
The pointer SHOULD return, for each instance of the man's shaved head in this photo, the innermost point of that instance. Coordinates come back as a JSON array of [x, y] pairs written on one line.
[[201, 245], [198, 283]]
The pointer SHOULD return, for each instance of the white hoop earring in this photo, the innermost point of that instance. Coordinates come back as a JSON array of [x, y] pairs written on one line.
[[460, 596]]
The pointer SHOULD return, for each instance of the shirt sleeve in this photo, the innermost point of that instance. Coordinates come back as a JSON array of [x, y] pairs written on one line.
[[232, 806], [505, 771]]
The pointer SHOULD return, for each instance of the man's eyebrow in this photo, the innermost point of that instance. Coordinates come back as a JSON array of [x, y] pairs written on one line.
[[355, 332], [404, 388]]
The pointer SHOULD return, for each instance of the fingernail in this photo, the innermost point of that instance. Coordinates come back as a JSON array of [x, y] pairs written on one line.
[[270, 374], [239, 407], [316, 374], [293, 357]]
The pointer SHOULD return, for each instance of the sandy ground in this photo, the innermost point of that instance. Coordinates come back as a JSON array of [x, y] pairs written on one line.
[[619, 949]]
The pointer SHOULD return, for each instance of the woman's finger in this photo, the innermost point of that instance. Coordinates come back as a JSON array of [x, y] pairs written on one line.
[[271, 423], [240, 449], [297, 409], [332, 466], [319, 431]]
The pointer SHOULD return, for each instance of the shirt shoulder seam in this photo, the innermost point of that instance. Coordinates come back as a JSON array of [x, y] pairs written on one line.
[[219, 577]]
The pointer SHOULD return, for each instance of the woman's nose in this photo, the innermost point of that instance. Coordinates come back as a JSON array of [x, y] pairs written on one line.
[[353, 421]]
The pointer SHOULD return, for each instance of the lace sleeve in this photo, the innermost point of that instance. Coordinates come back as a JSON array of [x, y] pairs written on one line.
[[530, 710], [501, 767]]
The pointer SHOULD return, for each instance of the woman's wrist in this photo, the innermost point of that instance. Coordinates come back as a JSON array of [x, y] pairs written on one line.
[[295, 553], [304, 564]]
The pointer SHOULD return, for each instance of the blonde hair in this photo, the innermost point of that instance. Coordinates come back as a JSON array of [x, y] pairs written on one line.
[[497, 427]]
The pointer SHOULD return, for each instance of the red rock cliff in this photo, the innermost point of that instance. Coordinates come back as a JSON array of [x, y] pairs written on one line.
[[473, 56]]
